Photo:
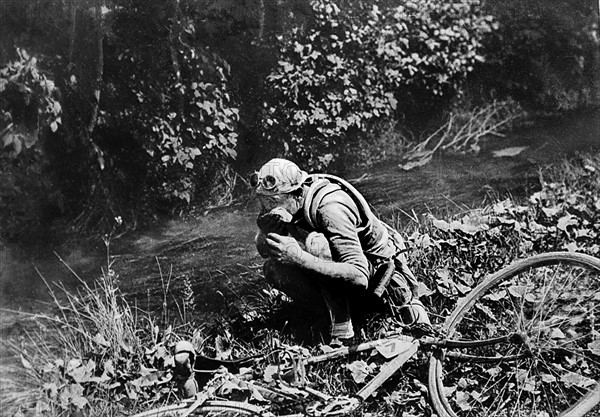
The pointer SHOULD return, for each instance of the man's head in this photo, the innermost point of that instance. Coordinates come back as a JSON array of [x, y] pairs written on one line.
[[278, 183]]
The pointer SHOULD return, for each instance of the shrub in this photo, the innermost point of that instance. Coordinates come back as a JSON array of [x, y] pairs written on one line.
[[29, 106], [349, 68], [174, 98]]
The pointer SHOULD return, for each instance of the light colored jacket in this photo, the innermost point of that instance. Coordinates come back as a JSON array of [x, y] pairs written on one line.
[[333, 208]]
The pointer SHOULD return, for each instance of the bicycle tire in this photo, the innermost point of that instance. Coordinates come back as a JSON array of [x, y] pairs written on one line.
[[210, 408], [560, 363]]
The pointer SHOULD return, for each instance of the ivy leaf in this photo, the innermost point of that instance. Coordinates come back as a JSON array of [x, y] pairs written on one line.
[[547, 378], [594, 347], [496, 296], [147, 380], [26, 363], [566, 221], [462, 400], [550, 212], [83, 373], [359, 370], [441, 224], [572, 378], [517, 291], [51, 389]]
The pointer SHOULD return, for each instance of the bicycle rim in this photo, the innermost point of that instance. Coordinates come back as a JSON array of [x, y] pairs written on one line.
[[208, 409], [551, 302]]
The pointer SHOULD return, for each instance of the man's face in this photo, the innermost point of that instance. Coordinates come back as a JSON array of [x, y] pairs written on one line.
[[285, 201]]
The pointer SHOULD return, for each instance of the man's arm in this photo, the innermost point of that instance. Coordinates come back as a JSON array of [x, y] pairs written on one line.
[[287, 250], [338, 219]]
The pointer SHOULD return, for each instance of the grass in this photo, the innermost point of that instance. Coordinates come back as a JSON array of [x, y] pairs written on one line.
[[94, 349]]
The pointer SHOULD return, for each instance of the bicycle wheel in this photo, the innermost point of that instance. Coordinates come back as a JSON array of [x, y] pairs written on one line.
[[214, 408], [545, 313]]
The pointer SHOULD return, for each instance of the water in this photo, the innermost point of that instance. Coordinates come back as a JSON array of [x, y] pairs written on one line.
[[216, 252]]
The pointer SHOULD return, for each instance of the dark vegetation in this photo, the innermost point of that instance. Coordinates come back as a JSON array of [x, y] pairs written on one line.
[[123, 108]]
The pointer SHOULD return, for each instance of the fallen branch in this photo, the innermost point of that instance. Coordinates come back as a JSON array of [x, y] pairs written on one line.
[[461, 136]]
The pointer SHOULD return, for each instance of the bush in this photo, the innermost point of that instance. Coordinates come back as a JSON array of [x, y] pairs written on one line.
[[349, 68], [174, 99], [29, 106]]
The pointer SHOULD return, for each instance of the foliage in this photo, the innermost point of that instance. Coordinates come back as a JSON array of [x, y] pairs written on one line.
[[96, 351], [183, 116], [28, 103], [130, 127], [29, 106], [545, 53], [350, 67], [100, 348], [129, 130], [451, 257], [96, 354]]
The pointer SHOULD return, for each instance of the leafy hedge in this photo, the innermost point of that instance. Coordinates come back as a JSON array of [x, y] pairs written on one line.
[[349, 68]]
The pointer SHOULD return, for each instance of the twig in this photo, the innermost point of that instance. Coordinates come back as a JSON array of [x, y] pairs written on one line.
[[414, 218], [465, 207], [9, 127]]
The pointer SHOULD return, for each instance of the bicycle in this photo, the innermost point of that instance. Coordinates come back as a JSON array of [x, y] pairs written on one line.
[[524, 342]]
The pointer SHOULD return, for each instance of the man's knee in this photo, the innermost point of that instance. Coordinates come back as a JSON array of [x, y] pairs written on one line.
[[318, 245]]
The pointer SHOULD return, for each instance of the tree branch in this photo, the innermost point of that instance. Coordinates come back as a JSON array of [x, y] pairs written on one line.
[[99, 71]]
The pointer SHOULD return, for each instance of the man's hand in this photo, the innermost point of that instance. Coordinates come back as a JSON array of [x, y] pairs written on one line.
[[284, 249], [274, 221]]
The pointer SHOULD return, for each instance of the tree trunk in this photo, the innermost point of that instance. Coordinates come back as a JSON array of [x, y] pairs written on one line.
[[174, 34], [261, 21], [72, 32], [97, 84], [99, 74]]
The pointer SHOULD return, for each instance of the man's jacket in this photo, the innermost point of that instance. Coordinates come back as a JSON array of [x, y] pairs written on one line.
[[356, 236]]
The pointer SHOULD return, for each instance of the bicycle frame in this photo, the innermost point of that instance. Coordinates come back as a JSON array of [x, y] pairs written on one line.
[[398, 348]]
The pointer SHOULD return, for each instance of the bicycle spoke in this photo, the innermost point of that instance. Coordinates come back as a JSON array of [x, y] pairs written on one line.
[[550, 307]]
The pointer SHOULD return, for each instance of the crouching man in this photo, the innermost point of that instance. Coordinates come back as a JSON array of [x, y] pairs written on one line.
[[319, 236]]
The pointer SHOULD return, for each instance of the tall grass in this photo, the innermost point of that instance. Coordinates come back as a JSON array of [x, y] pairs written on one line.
[[95, 354], [96, 315]]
